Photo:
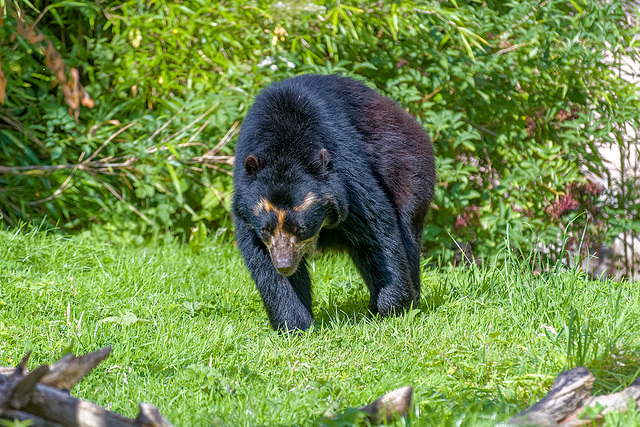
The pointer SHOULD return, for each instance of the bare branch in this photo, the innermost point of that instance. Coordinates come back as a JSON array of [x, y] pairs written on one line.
[[71, 369], [161, 128], [203, 115], [119, 197], [104, 144]]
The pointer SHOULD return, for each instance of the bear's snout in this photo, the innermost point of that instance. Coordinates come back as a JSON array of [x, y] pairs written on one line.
[[284, 254]]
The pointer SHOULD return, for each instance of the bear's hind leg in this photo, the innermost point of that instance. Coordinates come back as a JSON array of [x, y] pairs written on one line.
[[412, 242], [388, 279]]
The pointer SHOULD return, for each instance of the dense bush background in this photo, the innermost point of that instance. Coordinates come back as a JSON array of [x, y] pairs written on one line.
[[516, 95]]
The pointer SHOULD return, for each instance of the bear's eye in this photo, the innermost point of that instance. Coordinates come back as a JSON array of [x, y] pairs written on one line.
[[265, 231], [298, 229]]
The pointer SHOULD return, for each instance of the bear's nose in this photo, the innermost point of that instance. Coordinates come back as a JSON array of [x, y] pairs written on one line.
[[284, 265]]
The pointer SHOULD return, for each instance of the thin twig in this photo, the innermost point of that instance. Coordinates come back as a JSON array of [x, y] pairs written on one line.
[[195, 135], [45, 10], [205, 114], [119, 197], [225, 139], [206, 58], [450, 364], [104, 144], [507, 33], [433, 12], [161, 128], [34, 169], [218, 168], [481, 128], [43, 168], [431, 95], [127, 163], [155, 148], [65, 185], [218, 195], [5, 217], [100, 165], [228, 160], [17, 125], [512, 48]]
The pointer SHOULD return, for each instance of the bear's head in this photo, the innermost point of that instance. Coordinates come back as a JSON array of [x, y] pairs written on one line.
[[287, 206]]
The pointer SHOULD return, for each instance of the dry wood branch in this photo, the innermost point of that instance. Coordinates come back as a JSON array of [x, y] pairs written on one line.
[[65, 186], [570, 394], [233, 131], [200, 129], [161, 128], [23, 389], [439, 15], [3, 84], [36, 396], [389, 406], [226, 160], [217, 168], [481, 128], [108, 140], [23, 416], [119, 197], [202, 116], [512, 48], [71, 369], [616, 402], [104, 165]]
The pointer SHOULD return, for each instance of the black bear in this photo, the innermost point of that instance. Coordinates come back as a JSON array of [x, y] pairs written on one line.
[[326, 162]]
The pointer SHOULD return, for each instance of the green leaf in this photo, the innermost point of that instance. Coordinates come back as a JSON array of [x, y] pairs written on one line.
[[175, 180]]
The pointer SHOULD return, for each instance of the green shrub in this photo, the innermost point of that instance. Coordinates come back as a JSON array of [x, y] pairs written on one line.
[[515, 95]]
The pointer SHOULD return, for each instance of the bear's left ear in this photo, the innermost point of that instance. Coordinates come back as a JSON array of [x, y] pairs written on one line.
[[251, 165], [325, 159]]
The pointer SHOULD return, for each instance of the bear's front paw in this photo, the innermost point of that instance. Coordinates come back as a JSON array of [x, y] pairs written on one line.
[[292, 322]]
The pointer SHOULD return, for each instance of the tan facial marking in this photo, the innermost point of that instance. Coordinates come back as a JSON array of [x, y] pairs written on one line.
[[265, 205], [285, 249], [281, 214], [308, 201]]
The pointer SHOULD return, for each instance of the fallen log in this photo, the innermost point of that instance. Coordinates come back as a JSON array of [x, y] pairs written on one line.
[[569, 396], [42, 396], [389, 406]]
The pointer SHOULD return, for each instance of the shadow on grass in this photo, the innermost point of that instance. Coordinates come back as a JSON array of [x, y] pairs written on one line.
[[356, 311], [350, 312]]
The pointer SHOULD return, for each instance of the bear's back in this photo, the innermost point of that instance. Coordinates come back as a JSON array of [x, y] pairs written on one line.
[[293, 119]]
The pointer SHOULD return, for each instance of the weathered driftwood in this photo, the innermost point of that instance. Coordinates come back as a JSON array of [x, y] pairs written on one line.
[[42, 396], [387, 407], [570, 394]]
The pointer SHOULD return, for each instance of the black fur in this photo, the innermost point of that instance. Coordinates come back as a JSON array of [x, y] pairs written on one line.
[[367, 167]]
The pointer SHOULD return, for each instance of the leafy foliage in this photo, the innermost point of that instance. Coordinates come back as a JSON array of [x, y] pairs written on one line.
[[516, 95]]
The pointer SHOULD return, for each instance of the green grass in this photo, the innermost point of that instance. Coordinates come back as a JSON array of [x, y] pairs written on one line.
[[189, 334]]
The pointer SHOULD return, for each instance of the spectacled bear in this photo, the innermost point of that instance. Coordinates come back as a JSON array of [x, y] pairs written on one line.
[[326, 162]]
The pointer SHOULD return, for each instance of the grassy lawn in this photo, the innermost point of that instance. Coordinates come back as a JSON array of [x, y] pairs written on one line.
[[189, 334]]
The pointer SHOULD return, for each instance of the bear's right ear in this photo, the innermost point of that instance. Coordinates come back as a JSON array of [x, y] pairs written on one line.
[[251, 165]]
